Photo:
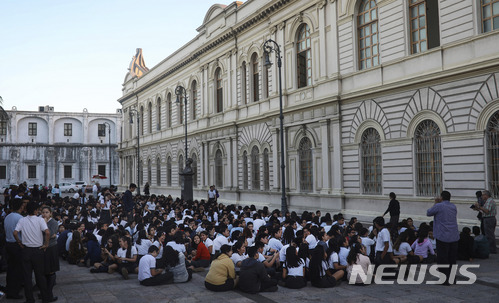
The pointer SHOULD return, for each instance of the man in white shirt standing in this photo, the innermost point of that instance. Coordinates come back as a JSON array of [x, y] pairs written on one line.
[[384, 247], [35, 240]]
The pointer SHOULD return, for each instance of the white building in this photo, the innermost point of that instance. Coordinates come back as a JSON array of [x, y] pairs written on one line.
[[379, 96], [48, 147]]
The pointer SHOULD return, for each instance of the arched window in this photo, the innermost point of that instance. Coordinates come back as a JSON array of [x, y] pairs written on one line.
[[219, 91], [245, 170], [490, 15], [158, 172], [428, 159], [370, 149], [149, 113], [180, 169], [169, 109], [149, 171], [266, 170], [425, 32], [169, 171], [194, 99], [244, 84], [142, 120], [304, 56], [368, 34], [305, 158], [194, 170], [492, 134], [219, 169], [158, 115], [256, 77], [255, 168]]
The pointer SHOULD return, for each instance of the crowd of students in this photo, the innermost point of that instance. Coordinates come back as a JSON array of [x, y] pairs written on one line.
[[164, 240]]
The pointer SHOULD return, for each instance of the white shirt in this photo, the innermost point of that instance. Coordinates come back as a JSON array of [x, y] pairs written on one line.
[[257, 224], [122, 253], [343, 255], [208, 243], [367, 242], [275, 244], [282, 253], [219, 241], [333, 258], [76, 196], [146, 263], [296, 271], [312, 241], [151, 206], [143, 247], [176, 246], [32, 229], [237, 257], [160, 254], [384, 236], [403, 250]]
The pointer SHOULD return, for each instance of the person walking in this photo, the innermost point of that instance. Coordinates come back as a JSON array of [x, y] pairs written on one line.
[[14, 251], [394, 210], [489, 220], [35, 240], [445, 231]]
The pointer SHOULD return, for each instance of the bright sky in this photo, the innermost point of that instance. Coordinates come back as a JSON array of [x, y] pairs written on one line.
[[74, 54]]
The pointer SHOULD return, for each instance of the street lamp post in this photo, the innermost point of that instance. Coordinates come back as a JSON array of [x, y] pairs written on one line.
[[187, 188], [135, 112], [268, 47], [110, 159]]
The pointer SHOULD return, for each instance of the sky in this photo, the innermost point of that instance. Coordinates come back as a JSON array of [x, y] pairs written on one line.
[[74, 54]]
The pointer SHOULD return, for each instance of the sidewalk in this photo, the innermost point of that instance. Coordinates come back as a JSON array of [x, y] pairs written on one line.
[[77, 284]]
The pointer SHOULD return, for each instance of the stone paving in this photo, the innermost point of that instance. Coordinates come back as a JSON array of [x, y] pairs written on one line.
[[77, 284]]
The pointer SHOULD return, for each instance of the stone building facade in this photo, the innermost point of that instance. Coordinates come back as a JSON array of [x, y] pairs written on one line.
[[378, 96], [48, 147]]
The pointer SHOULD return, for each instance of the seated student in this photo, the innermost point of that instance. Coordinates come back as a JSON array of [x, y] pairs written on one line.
[[344, 250], [202, 258], [319, 273], [384, 247], [238, 254], [108, 254], [293, 271], [422, 246], [366, 241], [175, 260], [465, 245], [148, 274], [270, 262], [357, 256], [481, 248], [222, 275], [142, 244], [126, 258], [253, 277], [402, 249]]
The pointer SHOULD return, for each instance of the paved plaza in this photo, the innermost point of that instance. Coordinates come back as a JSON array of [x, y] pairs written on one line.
[[77, 284]]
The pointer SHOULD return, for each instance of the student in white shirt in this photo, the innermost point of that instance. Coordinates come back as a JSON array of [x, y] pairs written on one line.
[[357, 256], [239, 254], [366, 241], [221, 238], [275, 241], [207, 242], [126, 258], [148, 274], [293, 271], [344, 250], [384, 247]]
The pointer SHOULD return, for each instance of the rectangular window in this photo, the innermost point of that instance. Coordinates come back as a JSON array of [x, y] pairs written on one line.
[[101, 130], [32, 171], [68, 171], [3, 172], [101, 170], [68, 129], [490, 15], [32, 129], [3, 128]]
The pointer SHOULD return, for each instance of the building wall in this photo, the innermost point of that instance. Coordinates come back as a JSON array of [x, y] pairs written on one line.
[[50, 149], [452, 84]]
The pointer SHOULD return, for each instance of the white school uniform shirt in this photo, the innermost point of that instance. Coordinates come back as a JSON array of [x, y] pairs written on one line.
[[151, 206], [176, 246], [296, 271], [122, 253], [158, 245], [146, 263], [219, 241], [282, 253], [343, 254], [367, 242], [333, 258], [384, 236], [143, 247], [257, 224], [403, 250], [237, 257], [31, 229], [275, 244], [208, 243]]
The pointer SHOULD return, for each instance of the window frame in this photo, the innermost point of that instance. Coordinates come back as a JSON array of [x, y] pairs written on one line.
[[194, 99], [32, 171], [219, 168], [492, 147], [3, 172], [371, 162], [158, 172], [3, 128], [219, 90], [255, 76], [68, 171], [306, 169], [362, 38], [266, 169], [304, 69], [255, 168], [32, 129], [102, 169], [490, 18], [428, 164], [101, 130], [245, 170], [169, 171]]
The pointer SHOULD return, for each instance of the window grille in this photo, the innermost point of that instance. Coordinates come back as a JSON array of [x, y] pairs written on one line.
[[68, 129], [371, 162], [266, 170], [492, 135], [255, 168], [305, 158], [101, 130], [195, 170], [149, 171], [68, 171], [32, 129], [245, 170], [169, 171], [428, 159], [158, 172], [219, 169]]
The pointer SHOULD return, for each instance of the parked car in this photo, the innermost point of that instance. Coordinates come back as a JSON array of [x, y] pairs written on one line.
[[80, 185], [66, 187]]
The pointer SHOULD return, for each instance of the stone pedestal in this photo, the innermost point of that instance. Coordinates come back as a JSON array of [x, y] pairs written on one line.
[[186, 175]]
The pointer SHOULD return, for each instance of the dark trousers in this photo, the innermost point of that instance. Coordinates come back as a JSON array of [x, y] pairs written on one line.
[[161, 279], [33, 259], [228, 285], [447, 255], [14, 268], [295, 282], [489, 226]]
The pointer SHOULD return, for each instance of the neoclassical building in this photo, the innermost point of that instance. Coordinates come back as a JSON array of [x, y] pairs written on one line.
[[378, 96], [49, 147]]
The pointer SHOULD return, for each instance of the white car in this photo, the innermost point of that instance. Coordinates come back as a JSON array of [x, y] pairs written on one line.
[[80, 185], [66, 187]]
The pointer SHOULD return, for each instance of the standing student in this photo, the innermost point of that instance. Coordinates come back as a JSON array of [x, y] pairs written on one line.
[[445, 230], [394, 210], [489, 213], [35, 240], [128, 200], [14, 251], [384, 247], [51, 254], [149, 275]]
